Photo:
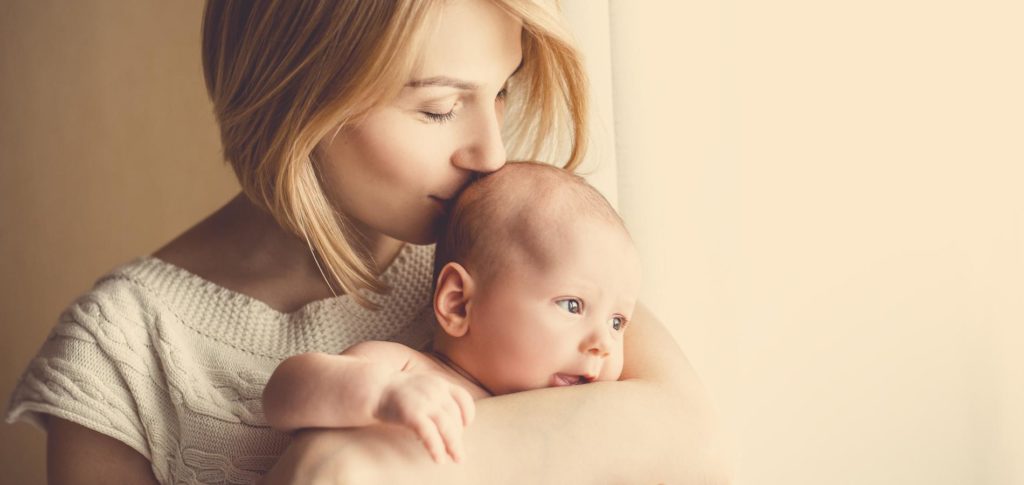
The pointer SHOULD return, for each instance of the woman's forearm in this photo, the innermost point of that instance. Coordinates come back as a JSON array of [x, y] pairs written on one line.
[[620, 432], [614, 432], [655, 426]]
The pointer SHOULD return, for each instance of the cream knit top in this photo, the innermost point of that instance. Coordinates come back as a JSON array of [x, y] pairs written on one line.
[[174, 365]]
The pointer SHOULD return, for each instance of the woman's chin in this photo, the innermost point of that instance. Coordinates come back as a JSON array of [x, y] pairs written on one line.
[[423, 236], [421, 241]]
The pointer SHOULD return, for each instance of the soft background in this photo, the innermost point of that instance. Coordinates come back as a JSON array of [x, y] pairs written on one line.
[[827, 199]]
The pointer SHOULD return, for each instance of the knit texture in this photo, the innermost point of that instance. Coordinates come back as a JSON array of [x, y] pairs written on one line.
[[174, 365]]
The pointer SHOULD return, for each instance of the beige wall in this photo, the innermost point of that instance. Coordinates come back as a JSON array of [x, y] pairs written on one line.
[[826, 199], [107, 150]]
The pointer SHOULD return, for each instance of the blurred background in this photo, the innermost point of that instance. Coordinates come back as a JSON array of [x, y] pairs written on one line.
[[827, 199]]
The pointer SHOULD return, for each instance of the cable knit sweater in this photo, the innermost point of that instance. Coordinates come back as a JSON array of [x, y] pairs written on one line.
[[174, 365]]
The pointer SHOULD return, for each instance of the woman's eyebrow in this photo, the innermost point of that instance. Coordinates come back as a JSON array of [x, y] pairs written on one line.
[[442, 81], [450, 82]]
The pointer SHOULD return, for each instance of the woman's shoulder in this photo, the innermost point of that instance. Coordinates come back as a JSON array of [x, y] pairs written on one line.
[[151, 291], [143, 285], [117, 296], [148, 290]]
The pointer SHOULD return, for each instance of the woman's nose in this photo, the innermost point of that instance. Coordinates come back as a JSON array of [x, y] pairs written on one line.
[[484, 150]]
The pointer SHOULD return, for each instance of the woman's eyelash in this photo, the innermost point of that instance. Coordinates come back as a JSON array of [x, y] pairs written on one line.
[[446, 117], [439, 117]]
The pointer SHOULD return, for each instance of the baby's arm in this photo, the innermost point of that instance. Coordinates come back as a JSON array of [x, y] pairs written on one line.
[[371, 382], [317, 390]]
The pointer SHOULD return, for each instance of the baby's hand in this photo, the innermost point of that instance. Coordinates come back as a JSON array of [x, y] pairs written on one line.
[[434, 408]]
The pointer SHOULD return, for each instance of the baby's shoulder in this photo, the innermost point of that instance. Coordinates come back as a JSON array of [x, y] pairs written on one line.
[[384, 350], [403, 356]]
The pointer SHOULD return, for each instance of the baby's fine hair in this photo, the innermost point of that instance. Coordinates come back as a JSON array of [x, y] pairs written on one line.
[[515, 206]]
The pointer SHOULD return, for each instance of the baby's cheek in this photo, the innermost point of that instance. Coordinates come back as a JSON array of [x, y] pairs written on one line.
[[612, 368]]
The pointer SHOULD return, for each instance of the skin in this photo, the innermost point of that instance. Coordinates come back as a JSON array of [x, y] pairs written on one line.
[[559, 324], [657, 424], [448, 131], [534, 325], [372, 383]]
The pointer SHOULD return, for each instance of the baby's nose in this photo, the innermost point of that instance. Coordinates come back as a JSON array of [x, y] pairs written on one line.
[[597, 343]]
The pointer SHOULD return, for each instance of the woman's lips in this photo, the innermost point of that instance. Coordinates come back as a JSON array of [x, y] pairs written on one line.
[[443, 204]]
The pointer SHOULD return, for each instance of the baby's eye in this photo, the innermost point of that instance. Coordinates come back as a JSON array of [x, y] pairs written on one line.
[[618, 323], [571, 305]]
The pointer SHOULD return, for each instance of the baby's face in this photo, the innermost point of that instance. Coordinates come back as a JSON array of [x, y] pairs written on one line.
[[558, 324]]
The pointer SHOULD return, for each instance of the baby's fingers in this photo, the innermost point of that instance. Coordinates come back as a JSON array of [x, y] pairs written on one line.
[[428, 432], [466, 405], [451, 433]]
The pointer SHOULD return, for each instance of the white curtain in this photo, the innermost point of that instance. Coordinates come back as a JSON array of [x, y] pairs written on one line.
[[827, 199]]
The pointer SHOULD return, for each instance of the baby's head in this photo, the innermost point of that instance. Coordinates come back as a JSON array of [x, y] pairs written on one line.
[[536, 281]]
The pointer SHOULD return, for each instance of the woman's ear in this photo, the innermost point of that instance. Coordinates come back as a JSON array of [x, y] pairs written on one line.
[[451, 299]]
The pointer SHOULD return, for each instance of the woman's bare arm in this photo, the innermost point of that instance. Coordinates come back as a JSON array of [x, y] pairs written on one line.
[[656, 425], [78, 455]]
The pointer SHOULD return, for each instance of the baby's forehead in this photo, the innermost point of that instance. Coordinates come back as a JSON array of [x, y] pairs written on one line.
[[538, 192], [526, 211], [546, 224]]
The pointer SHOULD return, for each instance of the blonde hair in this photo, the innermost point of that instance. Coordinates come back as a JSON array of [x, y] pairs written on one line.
[[284, 74]]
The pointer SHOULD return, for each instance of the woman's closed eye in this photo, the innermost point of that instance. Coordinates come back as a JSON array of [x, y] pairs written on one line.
[[441, 110], [571, 305], [441, 117]]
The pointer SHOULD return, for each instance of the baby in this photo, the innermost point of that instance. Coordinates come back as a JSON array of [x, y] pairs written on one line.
[[536, 279]]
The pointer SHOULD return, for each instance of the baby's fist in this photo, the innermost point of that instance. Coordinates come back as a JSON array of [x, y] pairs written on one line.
[[435, 409]]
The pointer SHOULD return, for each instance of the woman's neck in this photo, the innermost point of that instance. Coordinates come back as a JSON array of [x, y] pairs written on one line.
[[381, 249], [241, 247]]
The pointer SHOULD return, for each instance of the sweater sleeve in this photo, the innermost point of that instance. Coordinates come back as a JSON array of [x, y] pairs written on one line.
[[91, 369]]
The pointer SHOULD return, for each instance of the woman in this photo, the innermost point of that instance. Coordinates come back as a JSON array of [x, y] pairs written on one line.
[[350, 125]]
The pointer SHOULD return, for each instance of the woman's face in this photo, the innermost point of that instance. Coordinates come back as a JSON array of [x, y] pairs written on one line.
[[394, 172]]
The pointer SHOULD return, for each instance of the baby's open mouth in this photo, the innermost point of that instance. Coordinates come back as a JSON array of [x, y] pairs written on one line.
[[571, 379]]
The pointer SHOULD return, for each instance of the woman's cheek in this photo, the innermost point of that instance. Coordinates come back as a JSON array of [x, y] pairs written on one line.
[[385, 148]]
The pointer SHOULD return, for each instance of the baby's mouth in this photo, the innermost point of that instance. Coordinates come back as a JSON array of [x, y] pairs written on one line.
[[571, 379]]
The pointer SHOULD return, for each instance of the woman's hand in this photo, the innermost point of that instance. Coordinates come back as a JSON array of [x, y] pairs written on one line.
[[435, 409]]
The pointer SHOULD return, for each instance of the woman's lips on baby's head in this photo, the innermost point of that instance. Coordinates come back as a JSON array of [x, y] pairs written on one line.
[[444, 204]]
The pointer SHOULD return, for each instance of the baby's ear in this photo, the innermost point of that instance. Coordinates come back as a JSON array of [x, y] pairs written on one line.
[[451, 299]]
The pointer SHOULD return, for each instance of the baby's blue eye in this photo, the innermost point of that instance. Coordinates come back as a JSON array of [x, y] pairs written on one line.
[[571, 305], [618, 323]]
